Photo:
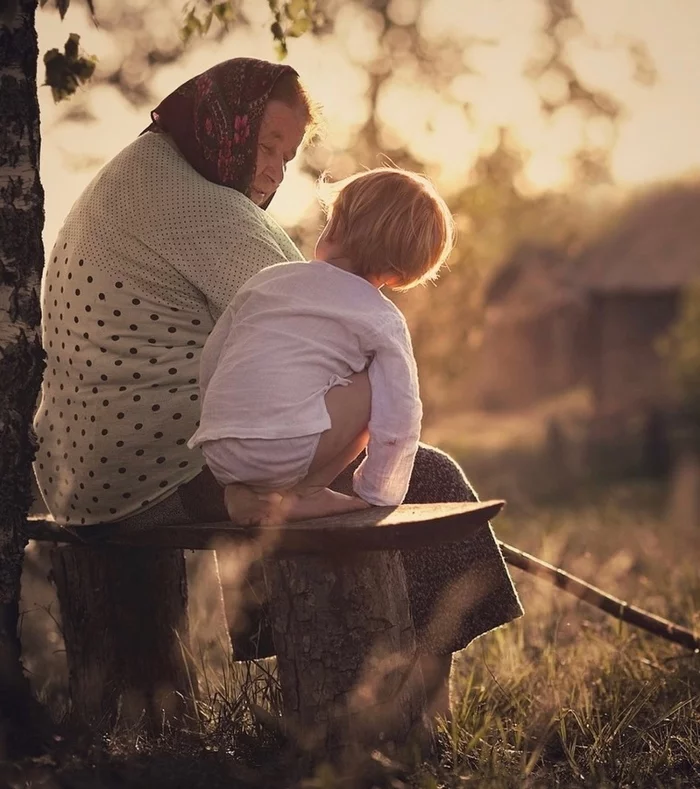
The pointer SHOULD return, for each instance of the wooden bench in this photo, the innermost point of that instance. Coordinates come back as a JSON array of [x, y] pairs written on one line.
[[341, 624]]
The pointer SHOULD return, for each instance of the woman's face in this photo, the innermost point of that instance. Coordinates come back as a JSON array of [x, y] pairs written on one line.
[[281, 133]]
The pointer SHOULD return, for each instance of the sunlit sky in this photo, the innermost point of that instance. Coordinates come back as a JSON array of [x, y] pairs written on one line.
[[658, 137]]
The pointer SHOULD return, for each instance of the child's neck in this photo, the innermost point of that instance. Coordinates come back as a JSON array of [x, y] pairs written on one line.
[[339, 262], [346, 265]]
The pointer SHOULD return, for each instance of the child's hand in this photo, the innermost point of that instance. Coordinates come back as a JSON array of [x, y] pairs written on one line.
[[248, 507], [321, 502]]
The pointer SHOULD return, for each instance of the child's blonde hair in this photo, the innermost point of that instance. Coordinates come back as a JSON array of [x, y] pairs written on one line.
[[390, 221]]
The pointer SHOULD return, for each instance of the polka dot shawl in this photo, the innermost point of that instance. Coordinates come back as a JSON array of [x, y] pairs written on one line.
[[147, 260]]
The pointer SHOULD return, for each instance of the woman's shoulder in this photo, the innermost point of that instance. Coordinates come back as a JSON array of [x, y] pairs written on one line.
[[149, 150], [148, 171], [152, 160], [153, 178]]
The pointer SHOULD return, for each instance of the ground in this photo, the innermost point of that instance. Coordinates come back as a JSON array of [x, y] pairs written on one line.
[[565, 697]]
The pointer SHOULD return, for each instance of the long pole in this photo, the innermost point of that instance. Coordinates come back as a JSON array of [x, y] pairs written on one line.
[[596, 597]]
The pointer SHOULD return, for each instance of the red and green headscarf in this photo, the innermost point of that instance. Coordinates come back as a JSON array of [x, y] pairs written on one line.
[[215, 117]]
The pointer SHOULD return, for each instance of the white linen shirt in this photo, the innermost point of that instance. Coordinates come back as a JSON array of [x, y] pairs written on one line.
[[147, 260], [291, 333]]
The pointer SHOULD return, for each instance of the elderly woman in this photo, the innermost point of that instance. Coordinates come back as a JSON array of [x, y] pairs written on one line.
[[148, 258]]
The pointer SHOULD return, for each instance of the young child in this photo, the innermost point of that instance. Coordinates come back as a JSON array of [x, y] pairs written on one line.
[[311, 363]]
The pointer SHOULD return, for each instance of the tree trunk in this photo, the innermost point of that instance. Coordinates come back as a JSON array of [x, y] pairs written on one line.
[[22, 724], [124, 618], [346, 654]]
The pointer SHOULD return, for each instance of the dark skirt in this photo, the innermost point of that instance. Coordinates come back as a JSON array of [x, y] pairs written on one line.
[[457, 591]]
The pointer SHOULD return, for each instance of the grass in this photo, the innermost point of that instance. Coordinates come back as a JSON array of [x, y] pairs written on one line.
[[565, 697], [568, 697]]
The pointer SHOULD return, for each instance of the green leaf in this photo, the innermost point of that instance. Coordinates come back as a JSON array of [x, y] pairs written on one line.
[[191, 26], [299, 27], [206, 23], [224, 12], [281, 49], [194, 24], [62, 6], [277, 32], [67, 70], [72, 46], [295, 8]]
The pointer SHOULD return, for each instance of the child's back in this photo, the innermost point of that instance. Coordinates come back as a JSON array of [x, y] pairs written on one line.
[[293, 331]]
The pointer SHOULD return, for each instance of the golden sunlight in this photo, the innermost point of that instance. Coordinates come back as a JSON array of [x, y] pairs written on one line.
[[657, 136]]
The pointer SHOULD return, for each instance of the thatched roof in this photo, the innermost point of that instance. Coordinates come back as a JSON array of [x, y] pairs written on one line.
[[654, 246], [533, 281]]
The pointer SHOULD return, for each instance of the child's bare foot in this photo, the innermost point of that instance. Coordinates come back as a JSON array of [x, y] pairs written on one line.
[[247, 507], [320, 502]]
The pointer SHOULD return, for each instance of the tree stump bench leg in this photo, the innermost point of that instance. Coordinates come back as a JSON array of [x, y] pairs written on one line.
[[346, 654], [124, 620]]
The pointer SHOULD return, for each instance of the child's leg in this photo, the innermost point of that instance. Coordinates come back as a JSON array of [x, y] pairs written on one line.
[[349, 411], [312, 498]]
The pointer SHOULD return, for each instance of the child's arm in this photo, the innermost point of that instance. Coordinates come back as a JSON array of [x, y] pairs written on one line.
[[395, 422]]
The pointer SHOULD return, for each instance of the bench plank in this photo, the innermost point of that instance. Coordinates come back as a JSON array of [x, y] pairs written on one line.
[[406, 527]]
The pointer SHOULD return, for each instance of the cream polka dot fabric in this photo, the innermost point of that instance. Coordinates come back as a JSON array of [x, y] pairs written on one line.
[[147, 260]]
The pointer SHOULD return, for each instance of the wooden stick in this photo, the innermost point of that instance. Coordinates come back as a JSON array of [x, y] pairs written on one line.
[[596, 597]]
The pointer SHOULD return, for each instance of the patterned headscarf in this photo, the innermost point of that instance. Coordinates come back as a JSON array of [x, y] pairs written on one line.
[[214, 119]]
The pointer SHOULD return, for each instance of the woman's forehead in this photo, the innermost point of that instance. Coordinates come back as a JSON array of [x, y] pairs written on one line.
[[284, 123]]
